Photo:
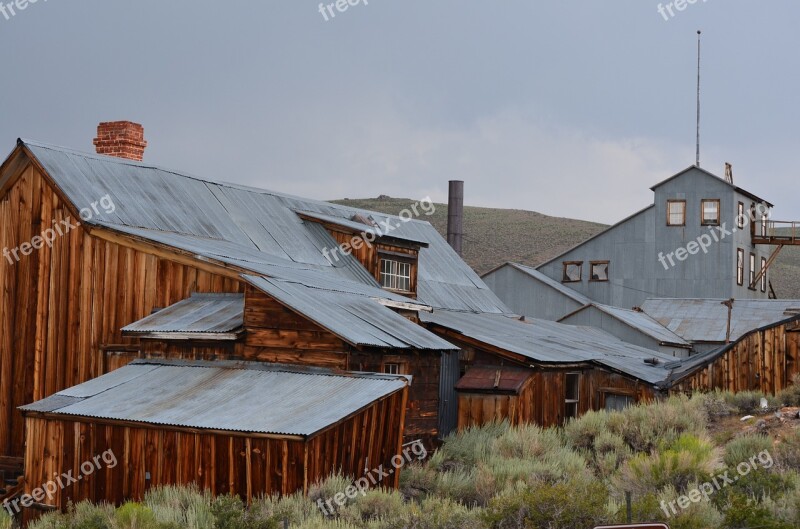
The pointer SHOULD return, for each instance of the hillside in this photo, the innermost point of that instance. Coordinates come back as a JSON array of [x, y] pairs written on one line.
[[494, 236]]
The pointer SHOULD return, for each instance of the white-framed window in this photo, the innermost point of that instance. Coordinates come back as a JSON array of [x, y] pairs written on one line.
[[739, 266], [395, 274], [763, 274], [752, 270], [391, 369], [676, 213], [763, 224], [710, 211]]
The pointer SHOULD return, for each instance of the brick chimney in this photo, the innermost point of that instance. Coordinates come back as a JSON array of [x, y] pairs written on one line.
[[122, 139]]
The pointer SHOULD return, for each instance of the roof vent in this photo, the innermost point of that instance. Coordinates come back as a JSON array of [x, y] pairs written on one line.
[[652, 361]]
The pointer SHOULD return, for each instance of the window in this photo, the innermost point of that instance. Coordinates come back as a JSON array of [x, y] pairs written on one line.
[[599, 271], [752, 270], [572, 392], [740, 266], [740, 218], [573, 271], [710, 212], [763, 274], [618, 402], [396, 275], [391, 369], [763, 224], [676, 213]]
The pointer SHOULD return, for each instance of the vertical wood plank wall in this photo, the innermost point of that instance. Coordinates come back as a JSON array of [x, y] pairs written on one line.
[[764, 360], [220, 463], [60, 305]]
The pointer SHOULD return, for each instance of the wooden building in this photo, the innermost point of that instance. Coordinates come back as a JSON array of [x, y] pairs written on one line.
[[544, 372], [229, 427]]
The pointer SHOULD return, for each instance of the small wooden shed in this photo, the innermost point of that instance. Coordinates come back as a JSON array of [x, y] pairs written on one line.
[[230, 427], [495, 393]]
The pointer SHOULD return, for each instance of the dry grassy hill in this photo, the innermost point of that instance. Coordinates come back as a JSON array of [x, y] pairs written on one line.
[[494, 236]]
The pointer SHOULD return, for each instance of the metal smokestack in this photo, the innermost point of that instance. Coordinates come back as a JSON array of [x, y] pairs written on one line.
[[455, 215]]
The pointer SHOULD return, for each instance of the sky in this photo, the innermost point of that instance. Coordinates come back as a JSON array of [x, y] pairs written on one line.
[[570, 108]]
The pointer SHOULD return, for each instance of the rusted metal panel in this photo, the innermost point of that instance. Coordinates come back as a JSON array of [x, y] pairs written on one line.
[[495, 379]]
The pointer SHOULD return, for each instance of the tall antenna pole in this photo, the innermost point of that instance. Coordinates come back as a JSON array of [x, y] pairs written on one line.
[[697, 161]]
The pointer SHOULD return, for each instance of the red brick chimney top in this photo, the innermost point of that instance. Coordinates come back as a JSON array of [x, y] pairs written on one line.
[[123, 139]]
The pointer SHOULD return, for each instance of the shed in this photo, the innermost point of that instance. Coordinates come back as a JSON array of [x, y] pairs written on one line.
[[229, 427], [495, 393]]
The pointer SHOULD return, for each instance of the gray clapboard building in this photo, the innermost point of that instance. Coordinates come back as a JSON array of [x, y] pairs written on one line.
[[703, 237]]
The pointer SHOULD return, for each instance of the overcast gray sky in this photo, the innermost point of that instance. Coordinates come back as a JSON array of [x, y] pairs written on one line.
[[571, 108]]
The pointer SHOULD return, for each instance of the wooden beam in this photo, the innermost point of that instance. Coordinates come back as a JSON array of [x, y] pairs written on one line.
[[766, 266]]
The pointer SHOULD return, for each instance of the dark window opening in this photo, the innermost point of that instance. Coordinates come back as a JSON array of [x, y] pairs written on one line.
[[571, 394], [618, 402]]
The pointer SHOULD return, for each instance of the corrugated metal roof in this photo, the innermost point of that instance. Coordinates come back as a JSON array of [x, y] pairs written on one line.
[[644, 324], [358, 319], [227, 396], [706, 320], [570, 293], [200, 313], [358, 227], [256, 229], [494, 379], [555, 343]]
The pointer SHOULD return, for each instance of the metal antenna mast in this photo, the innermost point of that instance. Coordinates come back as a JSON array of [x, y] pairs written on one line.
[[697, 161]]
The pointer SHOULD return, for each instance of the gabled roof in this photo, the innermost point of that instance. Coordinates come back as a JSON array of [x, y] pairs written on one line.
[[164, 205], [712, 175], [224, 396], [201, 316], [552, 283], [706, 320], [638, 321], [260, 233], [554, 343]]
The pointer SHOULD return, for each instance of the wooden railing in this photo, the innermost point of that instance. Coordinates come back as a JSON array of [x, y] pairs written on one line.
[[777, 232]]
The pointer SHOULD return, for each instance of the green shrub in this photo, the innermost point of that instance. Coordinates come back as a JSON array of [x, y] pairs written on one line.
[[51, 520], [742, 512], [563, 505], [180, 506], [6, 521], [134, 515], [274, 509], [790, 396], [687, 459], [653, 507], [787, 453], [465, 449], [741, 449], [417, 480], [86, 515], [377, 504]]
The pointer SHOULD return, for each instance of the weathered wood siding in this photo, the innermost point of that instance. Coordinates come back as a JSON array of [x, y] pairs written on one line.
[[764, 360], [221, 462], [61, 306], [476, 409]]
